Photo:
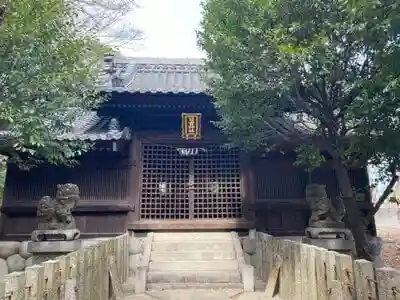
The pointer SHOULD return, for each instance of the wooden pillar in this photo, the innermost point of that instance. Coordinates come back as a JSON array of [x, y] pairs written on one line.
[[135, 154], [247, 186]]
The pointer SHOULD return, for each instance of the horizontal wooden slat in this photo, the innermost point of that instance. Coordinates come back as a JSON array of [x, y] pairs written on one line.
[[24, 208], [190, 224]]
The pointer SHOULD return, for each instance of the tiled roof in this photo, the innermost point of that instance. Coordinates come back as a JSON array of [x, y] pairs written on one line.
[[89, 127], [92, 127], [158, 75]]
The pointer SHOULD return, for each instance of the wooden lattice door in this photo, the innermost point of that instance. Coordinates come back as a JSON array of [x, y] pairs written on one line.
[[177, 187]]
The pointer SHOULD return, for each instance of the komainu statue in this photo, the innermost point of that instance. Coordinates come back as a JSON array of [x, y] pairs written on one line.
[[55, 220], [326, 220], [321, 206]]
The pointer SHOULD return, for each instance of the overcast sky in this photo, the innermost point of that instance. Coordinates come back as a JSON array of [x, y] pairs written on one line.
[[169, 28]]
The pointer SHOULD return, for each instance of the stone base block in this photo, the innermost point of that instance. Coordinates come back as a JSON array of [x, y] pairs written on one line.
[[40, 235], [338, 245], [47, 250], [328, 233]]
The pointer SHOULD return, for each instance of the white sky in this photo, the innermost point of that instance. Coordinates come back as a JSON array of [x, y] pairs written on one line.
[[168, 26]]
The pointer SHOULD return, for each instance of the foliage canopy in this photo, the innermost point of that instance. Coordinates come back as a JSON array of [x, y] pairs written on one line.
[[319, 74], [48, 76]]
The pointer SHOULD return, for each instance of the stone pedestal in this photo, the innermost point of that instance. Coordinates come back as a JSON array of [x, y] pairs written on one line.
[[338, 245], [47, 250], [40, 235], [334, 236]]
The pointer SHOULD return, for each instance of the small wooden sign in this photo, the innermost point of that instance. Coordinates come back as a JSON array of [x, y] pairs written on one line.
[[191, 126]]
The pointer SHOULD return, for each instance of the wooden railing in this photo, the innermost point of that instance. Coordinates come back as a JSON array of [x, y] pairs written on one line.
[[83, 274], [296, 271]]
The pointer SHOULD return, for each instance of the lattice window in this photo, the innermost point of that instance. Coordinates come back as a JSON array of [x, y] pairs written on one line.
[[164, 184], [217, 192], [205, 186]]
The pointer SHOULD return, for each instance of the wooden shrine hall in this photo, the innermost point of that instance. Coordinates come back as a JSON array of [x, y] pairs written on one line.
[[158, 163]]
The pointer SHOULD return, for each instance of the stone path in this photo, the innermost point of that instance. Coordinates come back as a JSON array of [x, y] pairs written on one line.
[[197, 294]]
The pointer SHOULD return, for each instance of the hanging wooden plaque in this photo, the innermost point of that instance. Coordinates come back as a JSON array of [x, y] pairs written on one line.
[[191, 126]]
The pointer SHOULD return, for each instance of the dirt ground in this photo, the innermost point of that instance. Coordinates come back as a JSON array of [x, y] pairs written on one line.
[[391, 245]]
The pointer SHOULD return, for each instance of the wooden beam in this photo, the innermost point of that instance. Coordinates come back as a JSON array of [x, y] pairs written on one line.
[[190, 224]]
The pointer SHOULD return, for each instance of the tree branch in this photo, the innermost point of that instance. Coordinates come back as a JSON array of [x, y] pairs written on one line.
[[383, 197], [2, 13]]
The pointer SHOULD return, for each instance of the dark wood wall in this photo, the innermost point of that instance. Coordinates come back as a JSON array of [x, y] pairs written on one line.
[[279, 186], [103, 178], [274, 192]]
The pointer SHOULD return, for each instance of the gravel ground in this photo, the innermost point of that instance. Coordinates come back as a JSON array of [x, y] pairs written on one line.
[[391, 246]]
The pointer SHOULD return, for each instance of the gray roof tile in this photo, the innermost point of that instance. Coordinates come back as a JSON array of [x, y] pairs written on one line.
[[159, 75], [92, 127], [89, 127]]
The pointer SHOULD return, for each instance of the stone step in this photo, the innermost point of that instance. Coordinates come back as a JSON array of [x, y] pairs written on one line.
[[194, 266], [192, 236], [194, 294], [192, 255], [189, 285], [193, 277], [191, 246]]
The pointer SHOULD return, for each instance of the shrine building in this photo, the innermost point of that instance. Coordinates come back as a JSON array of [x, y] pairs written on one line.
[[158, 163]]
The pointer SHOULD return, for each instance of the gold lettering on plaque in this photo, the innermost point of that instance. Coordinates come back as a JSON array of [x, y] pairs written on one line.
[[191, 126]]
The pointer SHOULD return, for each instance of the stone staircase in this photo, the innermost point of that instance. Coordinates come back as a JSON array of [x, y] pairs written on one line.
[[193, 260]]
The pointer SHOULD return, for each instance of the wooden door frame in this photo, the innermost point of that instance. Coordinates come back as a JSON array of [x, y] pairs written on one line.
[[173, 137]]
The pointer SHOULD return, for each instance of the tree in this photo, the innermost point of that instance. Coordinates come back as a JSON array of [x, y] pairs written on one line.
[[48, 75], [105, 19], [316, 73]]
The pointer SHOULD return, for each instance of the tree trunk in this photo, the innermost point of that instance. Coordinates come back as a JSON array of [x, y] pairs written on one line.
[[353, 213]]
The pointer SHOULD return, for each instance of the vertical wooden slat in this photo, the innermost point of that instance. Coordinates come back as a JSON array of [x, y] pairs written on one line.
[[64, 273], [3, 289], [258, 254], [104, 287], [71, 285], [262, 266], [364, 277], [15, 286], [284, 291], [345, 273], [312, 280], [118, 257], [303, 264], [91, 286], [292, 270], [297, 271], [277, 258], [97, 272], [127, 256], [52, 279], [114, 252], [122, 252], [321, 278], [81, 274], [334, 286], [34, 277], [388, 284], [267, 254]]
